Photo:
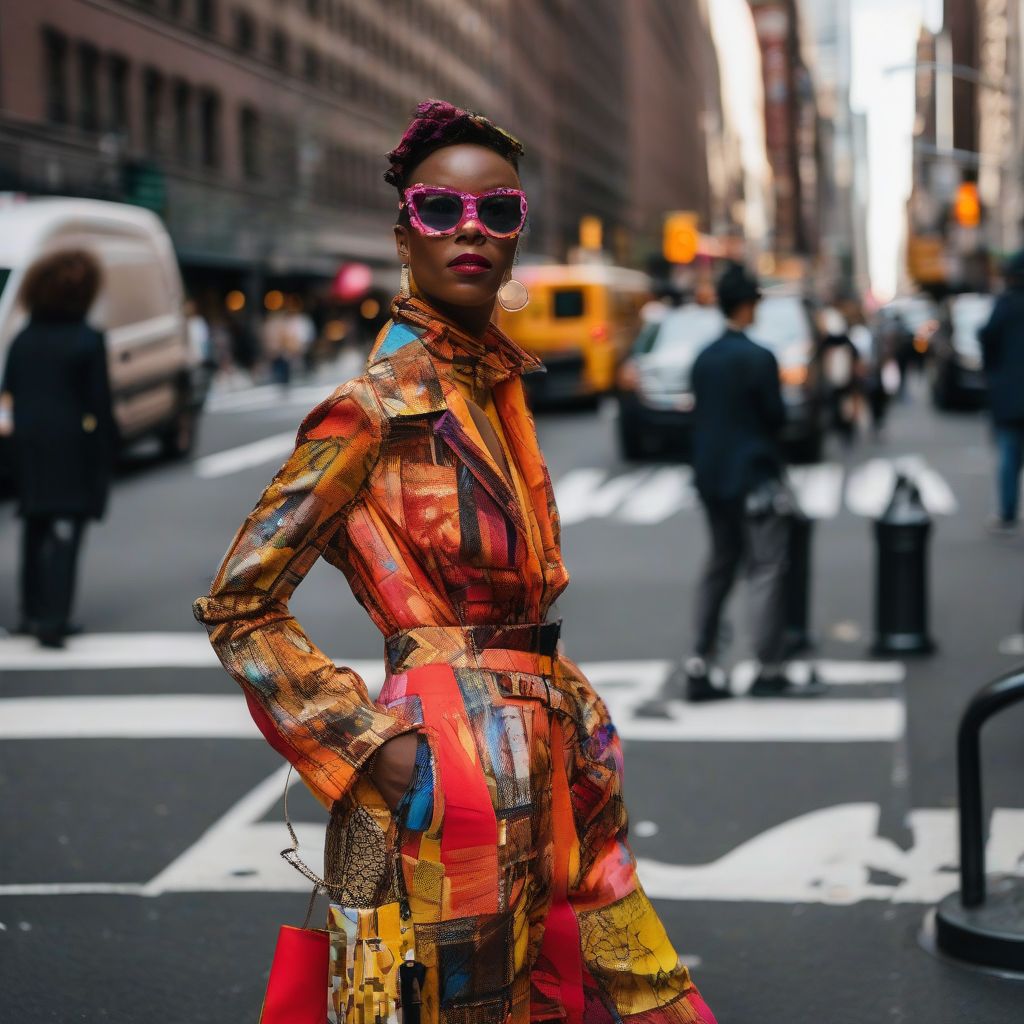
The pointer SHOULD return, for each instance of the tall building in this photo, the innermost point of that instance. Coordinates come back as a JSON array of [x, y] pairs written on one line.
[[791, 129], [257, 128], [843, 208]]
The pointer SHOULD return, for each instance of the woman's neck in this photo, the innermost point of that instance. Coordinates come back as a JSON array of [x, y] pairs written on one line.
[[474, 320]]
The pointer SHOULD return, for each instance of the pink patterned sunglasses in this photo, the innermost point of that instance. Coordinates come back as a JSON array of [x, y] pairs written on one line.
[[436, 211]]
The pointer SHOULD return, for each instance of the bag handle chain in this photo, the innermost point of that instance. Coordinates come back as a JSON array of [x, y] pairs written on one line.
[[291, 855]]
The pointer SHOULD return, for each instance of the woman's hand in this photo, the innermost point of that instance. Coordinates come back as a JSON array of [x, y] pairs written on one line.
[[393, 767]]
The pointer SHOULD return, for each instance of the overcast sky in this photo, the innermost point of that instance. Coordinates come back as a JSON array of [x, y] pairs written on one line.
[[885, 35]]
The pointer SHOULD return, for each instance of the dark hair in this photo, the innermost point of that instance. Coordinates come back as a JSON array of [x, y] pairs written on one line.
[[736, 287], [62, 286], [437, 124]]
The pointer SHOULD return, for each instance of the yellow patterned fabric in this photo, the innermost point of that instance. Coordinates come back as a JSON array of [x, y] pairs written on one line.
[[509, 849]]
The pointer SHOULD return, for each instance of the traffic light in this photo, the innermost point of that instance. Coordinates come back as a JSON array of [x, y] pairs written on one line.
[[967, 206], [681, 238], [591, 233]]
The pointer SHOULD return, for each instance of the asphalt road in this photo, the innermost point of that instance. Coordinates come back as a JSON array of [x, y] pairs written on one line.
[[793, 847]]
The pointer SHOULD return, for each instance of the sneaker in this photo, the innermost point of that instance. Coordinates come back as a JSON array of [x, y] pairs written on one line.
[[775, 683], [699, 687], [769, 684], [1000, 527]]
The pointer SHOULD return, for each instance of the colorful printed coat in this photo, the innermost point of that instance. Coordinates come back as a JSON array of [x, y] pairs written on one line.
[[509, 848]]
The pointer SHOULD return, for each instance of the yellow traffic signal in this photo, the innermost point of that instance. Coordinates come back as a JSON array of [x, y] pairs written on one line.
[[967, 206], [681, 238], [591, 232]]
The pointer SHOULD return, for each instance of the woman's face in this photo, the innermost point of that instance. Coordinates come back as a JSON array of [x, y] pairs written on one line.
[[434, 262]]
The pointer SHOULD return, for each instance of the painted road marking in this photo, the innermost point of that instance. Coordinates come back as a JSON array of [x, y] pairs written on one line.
[[649, 496], [188, 716], [827, 856], [234, 460], [267, 396], [819, 489], [869, 486]]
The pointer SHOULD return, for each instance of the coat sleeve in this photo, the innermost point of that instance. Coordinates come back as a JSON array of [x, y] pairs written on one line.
[[990, 336], [318, 716], [769, 394], [99, 400]]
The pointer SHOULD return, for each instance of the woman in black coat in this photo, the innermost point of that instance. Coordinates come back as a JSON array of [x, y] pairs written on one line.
[[55, 404]]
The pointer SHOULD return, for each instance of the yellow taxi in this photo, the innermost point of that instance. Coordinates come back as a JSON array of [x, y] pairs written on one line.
[[581, 320]]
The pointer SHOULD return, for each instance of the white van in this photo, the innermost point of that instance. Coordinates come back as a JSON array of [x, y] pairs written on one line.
[[154, 378]]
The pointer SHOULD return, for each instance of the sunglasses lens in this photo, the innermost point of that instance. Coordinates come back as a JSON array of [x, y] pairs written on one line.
[[439, 212], [501, 214]]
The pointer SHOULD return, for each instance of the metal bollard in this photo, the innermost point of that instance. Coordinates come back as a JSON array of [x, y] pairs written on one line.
[[984, 922], [901, 575], [798, 584]]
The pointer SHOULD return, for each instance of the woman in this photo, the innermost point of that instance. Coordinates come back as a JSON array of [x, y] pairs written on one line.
[[482, 791], [55, 403]]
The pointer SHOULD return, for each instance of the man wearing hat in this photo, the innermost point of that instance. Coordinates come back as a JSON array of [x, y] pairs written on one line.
[[738, 472], [1002, 346]]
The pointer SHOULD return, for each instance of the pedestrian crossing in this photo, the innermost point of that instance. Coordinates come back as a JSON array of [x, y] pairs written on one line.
[[838, 852], [652, 495]]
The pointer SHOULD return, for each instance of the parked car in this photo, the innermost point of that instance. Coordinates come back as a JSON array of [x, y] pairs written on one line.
[[654, 397], [580, 320], [157, 385], [955, 372]]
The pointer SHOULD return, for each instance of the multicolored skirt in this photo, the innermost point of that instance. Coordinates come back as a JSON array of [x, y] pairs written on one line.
[[508, 852]]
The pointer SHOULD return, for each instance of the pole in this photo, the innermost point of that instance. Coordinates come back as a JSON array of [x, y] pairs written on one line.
[[987, 702]]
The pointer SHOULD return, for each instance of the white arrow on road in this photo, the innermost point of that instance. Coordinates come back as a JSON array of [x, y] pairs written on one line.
[[827, 856]]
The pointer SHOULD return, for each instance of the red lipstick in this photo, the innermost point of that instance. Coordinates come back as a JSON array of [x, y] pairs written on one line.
[[470, 263]]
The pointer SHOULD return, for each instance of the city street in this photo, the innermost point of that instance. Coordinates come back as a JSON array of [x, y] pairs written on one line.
[[793, 847]]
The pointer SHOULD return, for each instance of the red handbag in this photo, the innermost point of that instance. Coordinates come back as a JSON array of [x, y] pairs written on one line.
[[298, 982], [297, 989]]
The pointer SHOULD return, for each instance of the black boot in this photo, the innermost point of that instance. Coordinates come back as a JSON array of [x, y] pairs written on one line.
[[699, 688]]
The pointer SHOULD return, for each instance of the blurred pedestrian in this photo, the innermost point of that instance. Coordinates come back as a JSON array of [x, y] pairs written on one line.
[[738, 471], [841, 370], [1002, 346], [278, 348], [58, 412]]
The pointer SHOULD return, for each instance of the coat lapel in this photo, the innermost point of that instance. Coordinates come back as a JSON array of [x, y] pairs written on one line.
[[459, 432], [521, 435]]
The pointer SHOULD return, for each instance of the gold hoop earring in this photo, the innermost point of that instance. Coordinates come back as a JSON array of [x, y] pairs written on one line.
[[403, 286], [513, 296]]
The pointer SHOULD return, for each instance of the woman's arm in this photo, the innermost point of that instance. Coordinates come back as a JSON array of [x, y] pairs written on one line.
[[100, 401], [315, 714]]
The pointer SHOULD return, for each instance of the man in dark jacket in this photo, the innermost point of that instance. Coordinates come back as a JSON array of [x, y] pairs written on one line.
[[1002, 346], [55, 405], [738, 471]]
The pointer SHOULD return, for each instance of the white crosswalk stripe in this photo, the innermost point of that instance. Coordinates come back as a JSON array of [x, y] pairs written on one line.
[[648, 496]]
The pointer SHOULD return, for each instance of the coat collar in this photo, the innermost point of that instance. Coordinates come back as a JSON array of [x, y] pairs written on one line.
[[414, 365]]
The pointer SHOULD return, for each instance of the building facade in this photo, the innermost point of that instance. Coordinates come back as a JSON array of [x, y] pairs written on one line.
[[257, 128], [791, 131]]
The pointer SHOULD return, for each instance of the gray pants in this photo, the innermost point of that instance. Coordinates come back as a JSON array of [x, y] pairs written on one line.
[[760, 544]]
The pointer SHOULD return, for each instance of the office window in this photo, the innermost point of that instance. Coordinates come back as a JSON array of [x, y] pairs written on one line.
[[279, 49], [245, 31], [183, 121], [152, 109], [209, 129], [311, 64], [249, 134], [206, 16], [55, 64], [117, 83], [88, 88]]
